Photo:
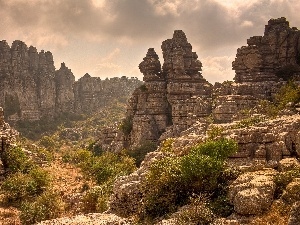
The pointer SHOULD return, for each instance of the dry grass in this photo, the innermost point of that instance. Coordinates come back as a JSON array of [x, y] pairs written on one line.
[[277, 215]]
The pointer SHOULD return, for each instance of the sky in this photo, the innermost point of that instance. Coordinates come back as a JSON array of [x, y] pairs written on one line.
[[109, 38]]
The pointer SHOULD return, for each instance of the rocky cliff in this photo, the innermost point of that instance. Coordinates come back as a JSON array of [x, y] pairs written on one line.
[[31, 88], [176, 95]]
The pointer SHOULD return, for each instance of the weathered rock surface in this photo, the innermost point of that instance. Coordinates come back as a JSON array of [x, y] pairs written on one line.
[[288, 164], [31, 88], [127, 194], [252, 193], [167, 97], [267, 56], [291, 193], [89, 219]]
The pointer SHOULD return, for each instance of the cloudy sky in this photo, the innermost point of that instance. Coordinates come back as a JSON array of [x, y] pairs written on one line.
[[108, 38]]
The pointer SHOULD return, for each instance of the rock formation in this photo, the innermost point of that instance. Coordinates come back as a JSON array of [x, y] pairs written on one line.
[[92, 93], [166, 100], [267, 58], [261, 69], [176, 95], [31, 88]]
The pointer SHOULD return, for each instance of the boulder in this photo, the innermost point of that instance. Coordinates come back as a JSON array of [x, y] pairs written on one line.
[[252, 193]]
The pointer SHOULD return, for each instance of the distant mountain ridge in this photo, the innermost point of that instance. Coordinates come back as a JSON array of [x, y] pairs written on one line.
[[31, 87]]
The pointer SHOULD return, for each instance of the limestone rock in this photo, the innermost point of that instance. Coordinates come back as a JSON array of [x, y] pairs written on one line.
[[92, 93], [252, 192], [88, 219], [288, 164], [291, 193], [174, 97], [127, 195], [266, 56], [64, 79]]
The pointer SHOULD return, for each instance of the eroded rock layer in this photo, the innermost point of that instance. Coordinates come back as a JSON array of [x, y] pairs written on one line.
[[166, 100]]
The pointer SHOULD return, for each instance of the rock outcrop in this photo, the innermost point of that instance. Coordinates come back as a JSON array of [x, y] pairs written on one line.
[[176, 95], [31, 88], [253, 192], [7, 137], [261, 68], [166, 100], [270, 57]]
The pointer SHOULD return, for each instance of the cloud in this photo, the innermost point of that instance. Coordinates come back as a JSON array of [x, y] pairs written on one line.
[[217, 68], [214, 27]]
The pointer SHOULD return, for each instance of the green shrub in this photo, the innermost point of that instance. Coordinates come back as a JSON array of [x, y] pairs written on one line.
[[81, 156], [166, 145], [126, 125], [196, 213], [15, 160], [214, 132], [95, 148], [283, 179], [48, 142], [18, 186], [46, 206], [268, 108], [139, 153], [289, 93], [249, 122], [96, 198], [163, 189], [109, 166], [171, 180]]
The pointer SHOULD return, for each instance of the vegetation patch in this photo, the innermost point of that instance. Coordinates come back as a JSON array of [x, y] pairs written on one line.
[[171, 181], [140, 152]]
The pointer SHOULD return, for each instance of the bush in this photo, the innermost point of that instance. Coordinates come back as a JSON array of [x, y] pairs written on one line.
[[139, 153], [110, 166], [96, 198], [15, 160], [283, 179], [126, 126], [214, 132], [247, 122], [289, 93], [196, 213], [171, 180], [163, 189], [48, 143], [102, 168], [47, 206], [18, 186]]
